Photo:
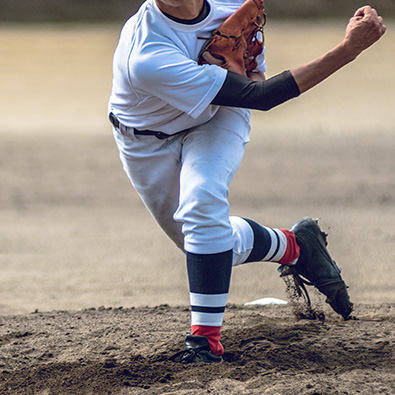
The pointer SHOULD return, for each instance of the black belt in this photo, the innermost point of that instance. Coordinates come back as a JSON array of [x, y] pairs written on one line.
[[159, 135]]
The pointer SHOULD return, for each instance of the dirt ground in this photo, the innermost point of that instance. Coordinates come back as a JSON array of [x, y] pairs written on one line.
[[126, 351], [93, 297]]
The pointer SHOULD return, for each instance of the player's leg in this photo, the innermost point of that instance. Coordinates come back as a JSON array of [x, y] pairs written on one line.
[[301, 251], [213, 240], [153, 167], [211, 156], [255, 243]]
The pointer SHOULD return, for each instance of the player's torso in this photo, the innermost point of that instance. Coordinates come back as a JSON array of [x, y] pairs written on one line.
[[148, 32]]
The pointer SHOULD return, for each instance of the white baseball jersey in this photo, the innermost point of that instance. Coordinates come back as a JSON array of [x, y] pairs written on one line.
[[157, 82]]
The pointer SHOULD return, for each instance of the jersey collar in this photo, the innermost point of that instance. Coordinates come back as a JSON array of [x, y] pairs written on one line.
[[186, 27]]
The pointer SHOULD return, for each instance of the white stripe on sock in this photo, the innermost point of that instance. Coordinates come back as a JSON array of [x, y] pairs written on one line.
[[280, 243], [273, 245], [206, 300], [206, 319], [282, 247]]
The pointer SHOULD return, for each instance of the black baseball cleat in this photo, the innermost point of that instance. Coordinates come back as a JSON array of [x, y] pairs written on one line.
[[316, 265], [196, 350]]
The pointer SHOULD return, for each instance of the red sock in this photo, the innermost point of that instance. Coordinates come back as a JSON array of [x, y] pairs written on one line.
[[292, 252], [213, 334]]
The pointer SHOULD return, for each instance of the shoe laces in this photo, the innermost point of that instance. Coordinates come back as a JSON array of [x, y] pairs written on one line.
[[184, 356]]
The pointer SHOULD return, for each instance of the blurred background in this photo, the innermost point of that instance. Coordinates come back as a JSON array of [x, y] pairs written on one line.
[[74, 234], [96, 10]]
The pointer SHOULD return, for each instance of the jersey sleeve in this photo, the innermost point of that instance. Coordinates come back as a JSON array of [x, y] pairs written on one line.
[[165, 72]]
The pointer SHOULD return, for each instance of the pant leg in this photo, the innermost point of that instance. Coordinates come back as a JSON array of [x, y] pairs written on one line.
[[211, 155], [153, 167]]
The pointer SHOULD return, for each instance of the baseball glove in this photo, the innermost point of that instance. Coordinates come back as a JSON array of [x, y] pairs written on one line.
[[238, 40]]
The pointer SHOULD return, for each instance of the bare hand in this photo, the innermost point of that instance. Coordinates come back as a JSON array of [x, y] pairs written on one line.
[[363, 30]]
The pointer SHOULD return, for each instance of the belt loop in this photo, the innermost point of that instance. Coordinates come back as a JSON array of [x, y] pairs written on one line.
[[124, 130]]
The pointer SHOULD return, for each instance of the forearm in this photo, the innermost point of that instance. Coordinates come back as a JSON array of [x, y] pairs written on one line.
[[363, 30], [240, 91], [311, 74]]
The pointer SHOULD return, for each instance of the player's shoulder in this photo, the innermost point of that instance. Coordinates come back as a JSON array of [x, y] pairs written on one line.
[[148, 18], [142, 13]]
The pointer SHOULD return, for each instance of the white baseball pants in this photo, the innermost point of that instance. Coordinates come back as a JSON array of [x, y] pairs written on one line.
[[183, 181]]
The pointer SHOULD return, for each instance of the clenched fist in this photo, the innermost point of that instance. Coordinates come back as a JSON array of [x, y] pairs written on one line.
[[363, 30]]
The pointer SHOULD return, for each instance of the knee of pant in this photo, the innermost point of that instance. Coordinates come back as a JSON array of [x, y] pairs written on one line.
[[204, 213], [206, 201]]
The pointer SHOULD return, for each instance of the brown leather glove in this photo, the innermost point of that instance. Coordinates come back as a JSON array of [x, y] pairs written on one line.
[[238, 40]]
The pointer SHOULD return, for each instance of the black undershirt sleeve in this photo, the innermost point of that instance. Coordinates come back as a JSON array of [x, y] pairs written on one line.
[[240, 91]]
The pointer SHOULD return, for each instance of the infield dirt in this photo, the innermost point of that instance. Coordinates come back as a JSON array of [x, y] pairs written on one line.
[[93, 297]]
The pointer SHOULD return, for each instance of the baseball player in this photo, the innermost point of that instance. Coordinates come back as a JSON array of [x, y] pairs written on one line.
[[181, 129]]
